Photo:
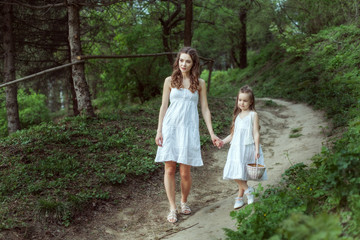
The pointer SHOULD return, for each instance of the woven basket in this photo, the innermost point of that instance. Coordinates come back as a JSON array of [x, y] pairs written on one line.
[[255, 170]]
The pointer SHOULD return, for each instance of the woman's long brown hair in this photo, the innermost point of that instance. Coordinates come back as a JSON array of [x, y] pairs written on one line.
[[237, 110], [176, 76]]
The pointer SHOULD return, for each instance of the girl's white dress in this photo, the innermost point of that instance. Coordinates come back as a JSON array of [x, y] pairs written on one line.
[[242, 150], [180, 129]]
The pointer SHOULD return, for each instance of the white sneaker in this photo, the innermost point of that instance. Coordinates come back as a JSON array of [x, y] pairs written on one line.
[[238, 203], [250, 195]]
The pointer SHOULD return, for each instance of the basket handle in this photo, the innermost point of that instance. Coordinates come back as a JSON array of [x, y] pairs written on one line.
[[257, 164]]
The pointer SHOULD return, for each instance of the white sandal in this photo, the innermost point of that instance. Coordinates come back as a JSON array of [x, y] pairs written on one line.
[[172, 217], [250, 195], [238, 203], [185, 209]]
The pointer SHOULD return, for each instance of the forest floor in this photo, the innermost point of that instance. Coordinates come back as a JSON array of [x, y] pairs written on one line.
[[141, 212]]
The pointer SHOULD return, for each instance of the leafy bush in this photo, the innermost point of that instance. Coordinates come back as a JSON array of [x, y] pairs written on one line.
[[32, 110], [300, 226], [225, 83], [341, 165]]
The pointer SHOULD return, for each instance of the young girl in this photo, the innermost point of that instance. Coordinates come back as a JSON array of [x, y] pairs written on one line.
[[245, 148]]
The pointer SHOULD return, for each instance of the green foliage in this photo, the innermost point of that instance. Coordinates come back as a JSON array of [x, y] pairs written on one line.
[[127, 80], [271, 104], [225, 83], [302, 192], [300, 226], [135, 80], [342, 163], [310, 17], [55, 170], [32, 110], [219, 37], [324, 68]]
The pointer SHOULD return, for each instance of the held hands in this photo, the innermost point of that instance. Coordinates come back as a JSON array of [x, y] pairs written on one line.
[[220, 143], [215, 139]]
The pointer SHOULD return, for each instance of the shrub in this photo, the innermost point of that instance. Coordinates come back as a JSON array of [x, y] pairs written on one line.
[[32, 110]]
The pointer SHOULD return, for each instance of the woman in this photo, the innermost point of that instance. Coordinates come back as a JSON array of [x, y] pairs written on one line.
[[178, 129]]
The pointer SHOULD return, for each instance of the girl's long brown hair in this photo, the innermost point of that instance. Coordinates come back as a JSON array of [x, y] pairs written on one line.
[[237, 110], [176, 76]]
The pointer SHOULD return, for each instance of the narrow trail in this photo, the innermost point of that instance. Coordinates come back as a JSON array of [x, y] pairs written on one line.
[[212, 197]]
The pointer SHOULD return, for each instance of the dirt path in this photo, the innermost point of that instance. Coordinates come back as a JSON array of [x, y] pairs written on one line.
[[211, 198]]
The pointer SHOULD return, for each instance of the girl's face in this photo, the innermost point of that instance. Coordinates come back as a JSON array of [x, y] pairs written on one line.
[[244, 101], [185, 63]]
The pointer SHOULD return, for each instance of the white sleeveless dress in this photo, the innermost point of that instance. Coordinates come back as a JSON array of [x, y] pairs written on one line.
[[180, 130], [242, 150]]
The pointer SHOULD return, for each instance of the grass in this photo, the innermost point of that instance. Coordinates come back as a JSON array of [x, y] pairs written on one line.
[[295, 133], [271, 104]]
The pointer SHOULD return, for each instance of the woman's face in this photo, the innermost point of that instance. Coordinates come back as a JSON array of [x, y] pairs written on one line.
[[244, 101], [185, 63]]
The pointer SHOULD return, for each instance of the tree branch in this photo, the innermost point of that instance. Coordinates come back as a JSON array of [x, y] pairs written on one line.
[[39, 73], [84, 57], [34, 7]]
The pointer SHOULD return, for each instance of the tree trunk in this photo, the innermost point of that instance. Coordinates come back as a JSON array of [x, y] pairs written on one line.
[[356, 6], [78, 71], [165, 40], [53, 93], [12, 109], [243, 43], [188, 22], [72, 95], [168, 25]]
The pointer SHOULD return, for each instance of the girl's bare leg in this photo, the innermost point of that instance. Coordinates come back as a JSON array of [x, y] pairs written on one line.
[[186, 181], [169, 182], [242, 187]]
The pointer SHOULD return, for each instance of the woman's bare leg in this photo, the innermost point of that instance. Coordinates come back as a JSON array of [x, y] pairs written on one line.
[[186, 181], [169, 182]]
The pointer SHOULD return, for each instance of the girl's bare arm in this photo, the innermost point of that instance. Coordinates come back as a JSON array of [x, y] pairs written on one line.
[[228, 138], [256, 134]]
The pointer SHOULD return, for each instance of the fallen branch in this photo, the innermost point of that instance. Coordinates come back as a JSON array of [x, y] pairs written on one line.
[[40, 73], [83, 57]]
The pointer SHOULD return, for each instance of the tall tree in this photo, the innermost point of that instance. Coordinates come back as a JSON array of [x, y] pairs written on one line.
[[240, 42], [188, 22], [168, 22], [242, 37], [12, 108], [78, 70]]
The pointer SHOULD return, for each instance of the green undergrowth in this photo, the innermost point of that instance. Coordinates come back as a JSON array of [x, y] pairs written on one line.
[[51, 173], [32, 110], [320, 201]]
